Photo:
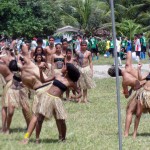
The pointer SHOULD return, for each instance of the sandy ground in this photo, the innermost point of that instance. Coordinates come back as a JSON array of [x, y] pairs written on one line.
[[100, 71]]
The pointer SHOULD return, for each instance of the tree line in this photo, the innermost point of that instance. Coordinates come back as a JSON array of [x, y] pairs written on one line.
[[41, 18]]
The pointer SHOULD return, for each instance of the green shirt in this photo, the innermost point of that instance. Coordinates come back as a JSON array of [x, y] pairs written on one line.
[[93, 42], [111, 44], [143, 41], [124, 43]]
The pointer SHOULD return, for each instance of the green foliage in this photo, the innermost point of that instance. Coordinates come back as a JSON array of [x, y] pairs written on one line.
[[102, 47], [128, 28], [37, 18], [28, 18]]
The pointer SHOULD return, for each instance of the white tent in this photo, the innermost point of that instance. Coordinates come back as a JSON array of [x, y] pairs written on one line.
[[66, 29]]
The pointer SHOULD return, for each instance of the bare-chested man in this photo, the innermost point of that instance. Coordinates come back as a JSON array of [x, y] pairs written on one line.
[[8, 75], [129, 79], [143, 98], [14, 95], [39, 44], [64, 47], [50, 50], [30, 76], [85, 66]]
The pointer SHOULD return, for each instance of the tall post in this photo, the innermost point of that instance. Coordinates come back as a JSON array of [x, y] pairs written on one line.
[[117, 75]]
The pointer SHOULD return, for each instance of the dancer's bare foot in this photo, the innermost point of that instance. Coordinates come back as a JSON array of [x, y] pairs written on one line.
[[134, 135], [84, 101], [62, 140], [125, 134], [2, 130], [24, 141], [37, 141], [7, 132]]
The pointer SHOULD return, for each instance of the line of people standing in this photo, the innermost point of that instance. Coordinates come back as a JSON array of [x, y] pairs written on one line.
[[123, 45]]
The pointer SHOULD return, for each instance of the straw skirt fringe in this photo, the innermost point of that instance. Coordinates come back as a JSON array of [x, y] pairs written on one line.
[[85, 81], [37, 96], [50, 105]]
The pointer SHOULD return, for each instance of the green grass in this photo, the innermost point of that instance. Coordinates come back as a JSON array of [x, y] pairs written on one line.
[[109, 61], [91, 126]]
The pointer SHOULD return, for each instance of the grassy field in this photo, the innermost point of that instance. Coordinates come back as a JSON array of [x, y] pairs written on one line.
[[91, 126], [109, 61]]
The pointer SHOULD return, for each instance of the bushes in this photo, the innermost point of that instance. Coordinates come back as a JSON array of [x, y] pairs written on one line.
[[102, 47]]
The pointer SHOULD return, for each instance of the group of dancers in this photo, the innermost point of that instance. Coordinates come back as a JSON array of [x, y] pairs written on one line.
[[49, 73], [136, 87]]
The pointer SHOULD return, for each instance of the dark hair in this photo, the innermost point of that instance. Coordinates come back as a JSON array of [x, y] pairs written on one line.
[[136, 35], [68, 50], [51, 37], [112, 72], [73, 72], [37, 48], [39, 40], [141, 34], [58, 44], [42, 59], [64, 40], [13, 65], [83, 42]]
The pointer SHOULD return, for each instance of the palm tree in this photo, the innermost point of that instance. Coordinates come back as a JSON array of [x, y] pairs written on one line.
[[128, 28]]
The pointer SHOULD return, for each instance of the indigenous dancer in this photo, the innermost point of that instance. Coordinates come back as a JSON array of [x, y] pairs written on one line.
[[8, 75], [39, 60], [17, 97], [50, 102], [14, 94], [64, 46], [58, 60], [69, 59], [30, 76], [38, 51], [50, 50], [85, 67], [129, 79], [143, 99]]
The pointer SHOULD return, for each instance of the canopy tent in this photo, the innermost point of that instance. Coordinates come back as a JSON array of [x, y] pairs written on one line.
[[67, 29]]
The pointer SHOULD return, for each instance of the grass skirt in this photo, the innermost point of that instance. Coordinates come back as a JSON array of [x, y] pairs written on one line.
[[17, 97], [50, 105], [85, 81], [37, 96], [4, 98], [144, 98], [2, 80]]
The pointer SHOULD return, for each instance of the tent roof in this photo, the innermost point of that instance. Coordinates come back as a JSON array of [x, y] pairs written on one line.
[[67, 29]]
